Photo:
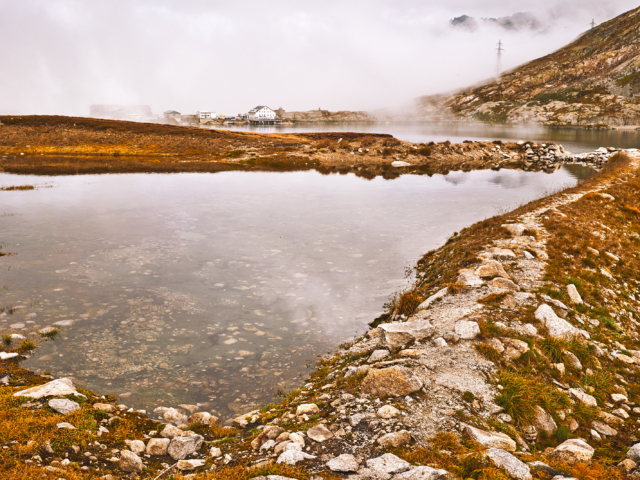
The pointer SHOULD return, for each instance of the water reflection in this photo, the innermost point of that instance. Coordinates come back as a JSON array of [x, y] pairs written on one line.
[[215, 289]]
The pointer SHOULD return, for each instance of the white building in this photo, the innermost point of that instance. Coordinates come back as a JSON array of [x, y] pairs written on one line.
[[261, 113], [206, 115]]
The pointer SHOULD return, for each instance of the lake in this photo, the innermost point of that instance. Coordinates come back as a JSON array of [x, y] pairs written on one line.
[[221, 288], [575, 140]]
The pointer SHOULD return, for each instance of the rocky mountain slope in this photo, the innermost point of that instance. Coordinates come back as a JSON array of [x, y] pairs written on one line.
[[593, 81]]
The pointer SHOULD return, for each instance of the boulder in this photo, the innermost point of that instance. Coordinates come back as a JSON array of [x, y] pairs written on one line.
[[170, 431], [467, 330], [514, 348], [436, 296], [343, 463], [63, 406], [157, 446], [558, 328], [388, 464], [291, 457], [136, 446], [181, 447], [395, 439], [397, 334], [204, 418], [509, 463], [423, 473], [572, 291], [378, 355], [270, 432], [60, 387], [187, 465], [504, 284], [634, 453], [129, 462], [393, 381], [491, 268], [387, 411], [515, 229], [543, 421], [603, 429], [307, 409], [319, 433], [490, 439], [573, 451], [583, 397]]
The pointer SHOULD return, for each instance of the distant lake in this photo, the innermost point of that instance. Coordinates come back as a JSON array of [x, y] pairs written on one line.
[[219, 288], [576, 140]]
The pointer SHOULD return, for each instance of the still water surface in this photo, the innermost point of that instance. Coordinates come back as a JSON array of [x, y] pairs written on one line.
[[575, 140], [218, 289]]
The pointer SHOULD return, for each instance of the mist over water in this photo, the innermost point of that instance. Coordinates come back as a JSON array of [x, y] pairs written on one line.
[[219, 288]]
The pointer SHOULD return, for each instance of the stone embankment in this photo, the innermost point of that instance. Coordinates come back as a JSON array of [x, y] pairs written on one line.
[[515, 354]]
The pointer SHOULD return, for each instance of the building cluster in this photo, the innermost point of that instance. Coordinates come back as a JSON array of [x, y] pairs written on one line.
[[142, 113]]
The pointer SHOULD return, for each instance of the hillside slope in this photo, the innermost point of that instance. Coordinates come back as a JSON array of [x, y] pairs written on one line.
[[593, 81]]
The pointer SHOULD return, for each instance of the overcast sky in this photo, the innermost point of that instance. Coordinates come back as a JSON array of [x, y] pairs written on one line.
[[61, 56]]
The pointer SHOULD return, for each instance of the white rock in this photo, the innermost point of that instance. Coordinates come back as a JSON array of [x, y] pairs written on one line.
[[297, 438], [63, 406], [65, 425], [583, 397], [399, 163], [634, 453], [440, 342], [469, 278], [307, 409], [187, 465], [436, 296], [423, 473], [490, 439], [170, 431], [343, 463], [516, 229], [7, 356], [558, 328], [467, 330], [528, 256], [509, 463], [619, 398], [181, 447], [136, 446], [388, 411], [397, 334], [158, 446], [319, 433], [130, 462], [291, 457], [378, 355], [55, 388], [215, 452], [573, 451], [388, 464], [573, 294], [174, 416]]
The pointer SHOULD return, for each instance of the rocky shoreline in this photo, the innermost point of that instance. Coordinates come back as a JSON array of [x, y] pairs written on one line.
[[515, 352]]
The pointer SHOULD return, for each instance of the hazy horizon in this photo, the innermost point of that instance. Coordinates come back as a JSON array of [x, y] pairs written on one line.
[[61, 56]]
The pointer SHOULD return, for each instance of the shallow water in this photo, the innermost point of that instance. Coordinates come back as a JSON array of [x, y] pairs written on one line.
[[575, 140], [219, 289]]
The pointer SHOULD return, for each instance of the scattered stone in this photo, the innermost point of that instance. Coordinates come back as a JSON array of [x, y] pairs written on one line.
[[129, 462], [558, 328], [504, 284], [397, 334], [572, 425], [440, 342], [393, 381], [215, 452], [174, 416], [469, 279], [515, 229], [270, 432], [423, 473], [514, 348], [467, 330], [246, 419], [543, 421], [291, 457], [204, 418], [619, 398], [613, 420], [158, 446], [105, 407], [573, 451], [63, 406], [627, 466], [187, 465], [436, 296], [572, 291], [307, 409], [491, 268], [181, 447], [343, 463], [603, 429], [7, 356], [319, 433], [136, 446], [65, 425], [55, 388], [388, 464], [395, 439], [634, 453], [490, 439], [509, 463], [574, 362], [378, 355], [355, 419], [170, 432], [388, 411], [583, 397]]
